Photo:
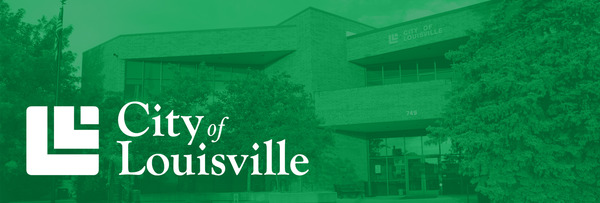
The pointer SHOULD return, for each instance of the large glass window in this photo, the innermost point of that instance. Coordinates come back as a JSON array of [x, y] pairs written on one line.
[[378, 147], [395, 146], [374, 76], [152, 74], [391, 73], [407, 146], [409, 71], [152, 70], [134, 74], [146, 78], [414, 146], [431, 166], [412, 164], [134, 70], [170, 72], [443, 70], [426, 70], [133, 89], [387, 146], [430, 146]]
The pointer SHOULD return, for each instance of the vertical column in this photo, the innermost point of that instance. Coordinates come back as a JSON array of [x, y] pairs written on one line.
[[406, 176], [370, 193], [435, 69], [400, 72], [439, 164], [418, 79], [382, 78], [422, 159], [387, 173]]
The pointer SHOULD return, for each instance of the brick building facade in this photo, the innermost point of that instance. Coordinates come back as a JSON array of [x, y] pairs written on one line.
[[379, 88]]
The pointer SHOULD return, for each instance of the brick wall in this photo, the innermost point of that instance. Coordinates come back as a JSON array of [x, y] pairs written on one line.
[[380, 104], [320, 62], [102, 61], [449, 25]]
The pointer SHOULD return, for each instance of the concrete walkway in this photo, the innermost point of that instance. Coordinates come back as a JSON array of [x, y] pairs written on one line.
[[439, 199], [387, 199]]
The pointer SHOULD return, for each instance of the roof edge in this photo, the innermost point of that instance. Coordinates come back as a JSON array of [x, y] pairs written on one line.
[[328, 13], [184, 31], [425, 18]]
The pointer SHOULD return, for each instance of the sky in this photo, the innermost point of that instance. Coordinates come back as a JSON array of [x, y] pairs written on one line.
[[96, 21]]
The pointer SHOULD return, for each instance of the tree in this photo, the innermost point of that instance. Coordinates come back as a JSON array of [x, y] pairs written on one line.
[[265, 107], [27, 78], [188, 96], [525, 111]]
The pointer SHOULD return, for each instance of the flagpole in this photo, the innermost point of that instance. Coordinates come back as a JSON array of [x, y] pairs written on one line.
[[59, 36]]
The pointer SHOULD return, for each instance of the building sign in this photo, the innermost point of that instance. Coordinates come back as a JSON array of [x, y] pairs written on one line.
[[414, 33], [393, 38]]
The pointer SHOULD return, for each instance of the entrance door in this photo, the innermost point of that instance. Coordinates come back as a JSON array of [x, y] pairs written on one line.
[[422, 176], [415, 173], [388, 176]]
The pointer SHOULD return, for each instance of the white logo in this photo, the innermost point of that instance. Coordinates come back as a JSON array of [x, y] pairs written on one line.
[[393, 38], [39, 162]]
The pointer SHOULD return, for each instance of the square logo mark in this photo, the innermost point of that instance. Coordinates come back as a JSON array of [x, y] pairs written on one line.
[[39, 162]]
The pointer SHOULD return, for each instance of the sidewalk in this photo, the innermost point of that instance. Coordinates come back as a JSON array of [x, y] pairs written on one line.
[[439, 199], [387, 199]]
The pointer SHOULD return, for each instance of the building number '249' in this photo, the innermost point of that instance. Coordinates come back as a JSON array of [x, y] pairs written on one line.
[[411, 113]]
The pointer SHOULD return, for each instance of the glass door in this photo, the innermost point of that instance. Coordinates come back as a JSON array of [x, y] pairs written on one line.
[[423, 176], [415, 175], [379, 176], [397, 176], [432, 175], [388, 176]]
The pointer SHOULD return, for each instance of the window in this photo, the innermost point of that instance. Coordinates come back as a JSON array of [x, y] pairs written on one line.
[[391, 73], [134, 72], [170, 72], [378, 147], [152, 70], [426, 70], [374, 76], [430, 147], [409, 71], [444, 72], [395, 146], [147, 78], [152, 74], [401, 146], [133, 89], [413, 145]]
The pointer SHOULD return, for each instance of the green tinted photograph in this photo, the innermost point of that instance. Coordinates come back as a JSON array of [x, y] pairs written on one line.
[[316, 101]]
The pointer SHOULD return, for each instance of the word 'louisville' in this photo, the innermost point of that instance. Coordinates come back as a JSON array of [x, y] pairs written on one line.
[[197, 165]]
